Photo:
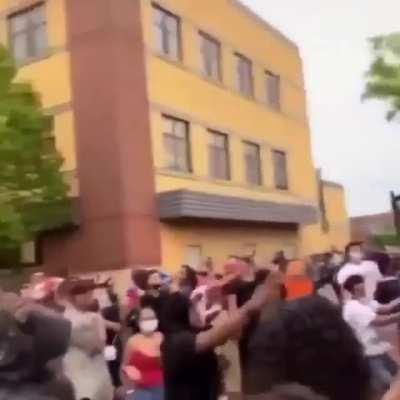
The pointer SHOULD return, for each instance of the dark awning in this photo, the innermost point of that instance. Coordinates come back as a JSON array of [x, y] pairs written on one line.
[[189, 204]]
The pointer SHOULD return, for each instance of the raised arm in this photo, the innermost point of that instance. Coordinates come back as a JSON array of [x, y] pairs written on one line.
[[219, 334], [383, 320]]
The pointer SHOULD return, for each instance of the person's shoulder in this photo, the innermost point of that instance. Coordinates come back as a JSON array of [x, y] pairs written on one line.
[[371, 265], [133, 340]]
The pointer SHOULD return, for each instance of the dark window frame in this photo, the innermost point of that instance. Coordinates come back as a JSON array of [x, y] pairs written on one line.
[[279, 182], [212, 150], [164, 51], [32, 50], [207, 38], [273, 89], [176, 139], [257, 172], [242, 59]]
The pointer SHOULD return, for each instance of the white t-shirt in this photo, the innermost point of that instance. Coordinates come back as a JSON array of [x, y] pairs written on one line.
[[367, 269], [360, 316]]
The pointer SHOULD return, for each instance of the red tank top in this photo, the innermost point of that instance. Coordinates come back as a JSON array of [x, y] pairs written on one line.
[[149, 368]]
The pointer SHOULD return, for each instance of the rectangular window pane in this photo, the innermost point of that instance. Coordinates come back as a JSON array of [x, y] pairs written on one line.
[[252, 163], [180, 129], [37, 15], [28, 34], [176, 144], [18, 23], [39, 39], [244, 75], [218, 156], [272, 89], [211, 55], [166, 27], [280, 170], [20, 47]]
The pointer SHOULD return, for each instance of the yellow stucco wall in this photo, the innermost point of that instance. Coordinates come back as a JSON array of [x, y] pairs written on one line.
[[314, 239], [220, 242], [180, 89], [50, 77], [339, 223]]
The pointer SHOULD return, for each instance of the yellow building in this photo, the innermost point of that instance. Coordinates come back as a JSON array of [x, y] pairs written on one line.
[[184, 130]]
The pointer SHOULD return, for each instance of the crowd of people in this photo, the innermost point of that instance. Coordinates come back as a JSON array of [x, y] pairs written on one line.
[[302, 330]]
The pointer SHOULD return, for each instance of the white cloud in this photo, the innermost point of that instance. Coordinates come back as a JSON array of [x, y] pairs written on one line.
[[352, 142]]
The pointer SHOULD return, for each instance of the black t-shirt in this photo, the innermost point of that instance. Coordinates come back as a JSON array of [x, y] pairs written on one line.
[[189, 375]]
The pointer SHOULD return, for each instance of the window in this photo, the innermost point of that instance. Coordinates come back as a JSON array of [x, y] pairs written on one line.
[[252, 160], [211, 54], [192, 256], [176, 144], [218, 155], [244, 75], [273, 89], [167, 33], [27, 29], [280, 170]]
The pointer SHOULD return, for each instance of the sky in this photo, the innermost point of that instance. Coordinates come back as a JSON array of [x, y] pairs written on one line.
[[352, 142]]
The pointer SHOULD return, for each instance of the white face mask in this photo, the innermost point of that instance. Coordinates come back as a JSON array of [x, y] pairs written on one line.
[[356, 256], [149, 326]]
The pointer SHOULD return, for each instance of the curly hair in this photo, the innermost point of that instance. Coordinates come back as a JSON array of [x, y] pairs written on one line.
[[308, 342]]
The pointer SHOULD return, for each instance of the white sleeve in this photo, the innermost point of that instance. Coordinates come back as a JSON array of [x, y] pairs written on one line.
[[374, 305], [361, 315], [342, 276]]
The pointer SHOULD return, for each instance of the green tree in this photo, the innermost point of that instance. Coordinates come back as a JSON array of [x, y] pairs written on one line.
[[33, 194], [383, 77]]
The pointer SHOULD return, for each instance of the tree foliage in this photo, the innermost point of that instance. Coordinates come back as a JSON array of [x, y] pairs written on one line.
[[33, 194], [383, 77]]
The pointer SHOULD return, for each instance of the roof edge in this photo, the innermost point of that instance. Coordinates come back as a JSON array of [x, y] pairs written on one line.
[[252, 14], [333, 184]]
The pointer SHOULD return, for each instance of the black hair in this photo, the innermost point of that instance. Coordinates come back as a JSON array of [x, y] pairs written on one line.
[[327, 257], [132, 321], [383, 261], [307, 342], [348, 248], [141, 277], [175, 313], [190, 277], [351, 282]]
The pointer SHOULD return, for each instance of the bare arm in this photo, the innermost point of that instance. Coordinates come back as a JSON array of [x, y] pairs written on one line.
[[114, 326], [383, 320], [219, 334], [388, 308]]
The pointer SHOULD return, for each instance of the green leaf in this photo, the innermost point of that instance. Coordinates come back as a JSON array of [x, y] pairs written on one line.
[[33, 193], [383, 77]]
